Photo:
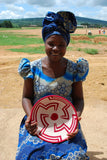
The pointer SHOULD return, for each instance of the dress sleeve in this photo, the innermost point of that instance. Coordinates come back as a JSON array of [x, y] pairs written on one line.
[[82, 69], [25, 70]]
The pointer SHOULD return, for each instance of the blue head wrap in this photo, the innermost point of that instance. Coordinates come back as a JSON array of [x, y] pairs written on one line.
[[60, 23]]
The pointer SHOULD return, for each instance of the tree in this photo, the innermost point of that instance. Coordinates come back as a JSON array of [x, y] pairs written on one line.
[[6, 24]]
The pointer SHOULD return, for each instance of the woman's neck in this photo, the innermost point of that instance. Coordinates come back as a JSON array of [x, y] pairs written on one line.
[[54, 69], [54, 64]]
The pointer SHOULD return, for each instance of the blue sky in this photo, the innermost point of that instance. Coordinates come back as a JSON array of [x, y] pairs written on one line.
[[13, 9]]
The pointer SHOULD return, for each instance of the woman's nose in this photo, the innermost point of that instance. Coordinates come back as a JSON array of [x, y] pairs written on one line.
[[55, 48]]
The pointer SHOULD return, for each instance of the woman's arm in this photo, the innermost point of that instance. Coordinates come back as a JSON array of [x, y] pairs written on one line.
[[78, 102], [77, 97], [27, 97]]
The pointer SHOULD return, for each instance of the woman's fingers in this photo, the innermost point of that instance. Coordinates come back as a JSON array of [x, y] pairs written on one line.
[[72, 135], [31, 128], [79, 118], [27, 123]]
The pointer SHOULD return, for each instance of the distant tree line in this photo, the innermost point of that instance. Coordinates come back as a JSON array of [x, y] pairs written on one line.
[[91, 25], [18, 23], [6, 24]]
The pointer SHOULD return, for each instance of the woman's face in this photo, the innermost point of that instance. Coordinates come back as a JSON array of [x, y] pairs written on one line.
[[55, 47]]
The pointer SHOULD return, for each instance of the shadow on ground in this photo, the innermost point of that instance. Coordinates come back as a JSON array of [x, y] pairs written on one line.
[[93, 154]]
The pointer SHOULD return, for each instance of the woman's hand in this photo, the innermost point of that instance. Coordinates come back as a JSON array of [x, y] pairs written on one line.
[[72, 135], [31, 128]]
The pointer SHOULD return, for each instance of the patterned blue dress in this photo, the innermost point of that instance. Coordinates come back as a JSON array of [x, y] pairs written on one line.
[[31, 147]]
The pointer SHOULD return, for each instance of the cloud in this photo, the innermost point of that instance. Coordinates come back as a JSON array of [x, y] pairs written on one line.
[[30, 15], [90, 3], [15, 8], [102, 14], [7, 1], [46, 3], [12, 1], [100, 3], [96, 9], [79, 14], [9, 15]]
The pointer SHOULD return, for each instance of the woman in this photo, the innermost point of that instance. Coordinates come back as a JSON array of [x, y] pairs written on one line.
[[53, 75]]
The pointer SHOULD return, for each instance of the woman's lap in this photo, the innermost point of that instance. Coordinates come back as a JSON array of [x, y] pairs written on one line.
[[33, 148]]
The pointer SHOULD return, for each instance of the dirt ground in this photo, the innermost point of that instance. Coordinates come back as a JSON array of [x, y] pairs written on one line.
[[94, 118]]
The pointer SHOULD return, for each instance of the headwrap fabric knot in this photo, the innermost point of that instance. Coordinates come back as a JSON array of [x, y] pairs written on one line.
[[60, 23]]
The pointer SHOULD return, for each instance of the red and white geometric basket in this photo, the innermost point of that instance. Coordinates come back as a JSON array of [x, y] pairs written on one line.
[[56, 117]]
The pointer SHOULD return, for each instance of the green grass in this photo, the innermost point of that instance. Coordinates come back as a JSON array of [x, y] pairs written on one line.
[[84, 41], [93, 36], [88, 50], [69, 48], [90, 36], [32, 28], [30, 50], [15, 39], [79, 49], [9, 29], [72, 41], [76, 35], [27, 28], [27, 36], [18, 39], [91, 51]]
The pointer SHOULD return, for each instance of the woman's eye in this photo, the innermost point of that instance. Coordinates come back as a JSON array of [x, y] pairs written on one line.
[[51, 44], [61, 46]]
